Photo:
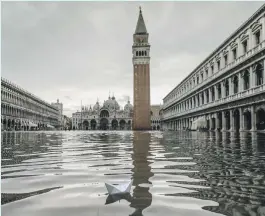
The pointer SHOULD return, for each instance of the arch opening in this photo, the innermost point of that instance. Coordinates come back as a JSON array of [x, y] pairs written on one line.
[[236, 120], [104, 114], [104, 124], [114, 124], [235, 82], [259, 75], [246, 80], [261, 119], [247, 120], [122, 124], [85, 124], [93, 124]]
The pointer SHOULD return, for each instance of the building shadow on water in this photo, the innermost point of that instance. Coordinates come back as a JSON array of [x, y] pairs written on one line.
[[233, 167], [141, 172]]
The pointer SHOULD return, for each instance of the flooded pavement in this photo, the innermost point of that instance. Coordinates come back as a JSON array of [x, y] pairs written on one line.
[[173, 173]]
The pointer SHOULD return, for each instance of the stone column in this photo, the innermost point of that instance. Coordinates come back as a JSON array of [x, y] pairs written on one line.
[[253, 119], [240, 82], [251, 77], [204, 95], [231, 86], [254, 81], [223, 89], [223, 121], [210, 95], [232, 121], [215, 92], [217, 122]]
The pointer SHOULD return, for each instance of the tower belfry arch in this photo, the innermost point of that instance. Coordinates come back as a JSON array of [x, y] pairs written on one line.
[[141, 76]]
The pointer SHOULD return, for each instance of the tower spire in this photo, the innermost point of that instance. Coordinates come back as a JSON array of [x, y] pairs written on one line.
[[140, 27]]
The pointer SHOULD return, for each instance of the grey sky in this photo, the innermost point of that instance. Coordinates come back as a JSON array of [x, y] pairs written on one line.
[[82, 50]]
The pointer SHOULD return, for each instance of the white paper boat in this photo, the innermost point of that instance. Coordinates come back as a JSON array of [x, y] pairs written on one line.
[[119, 189]]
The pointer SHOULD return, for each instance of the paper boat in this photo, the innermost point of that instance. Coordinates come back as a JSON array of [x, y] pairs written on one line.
[[119, 188], [117, 197]]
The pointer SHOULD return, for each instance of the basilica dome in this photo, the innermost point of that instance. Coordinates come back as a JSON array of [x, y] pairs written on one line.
[[96, 106], [128, 107], [111, 104]]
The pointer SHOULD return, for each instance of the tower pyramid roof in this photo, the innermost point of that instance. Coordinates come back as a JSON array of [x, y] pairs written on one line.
[[140, 27]]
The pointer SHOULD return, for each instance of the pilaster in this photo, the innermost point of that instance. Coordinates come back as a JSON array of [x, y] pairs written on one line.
[[251, 77], [240, 82], [217, 122], [223, 89], [215, 92], [223, 121], [253, 119], [231, 85], [232, 121]]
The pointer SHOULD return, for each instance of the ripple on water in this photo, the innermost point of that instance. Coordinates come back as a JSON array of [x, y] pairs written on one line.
[[173, 173]]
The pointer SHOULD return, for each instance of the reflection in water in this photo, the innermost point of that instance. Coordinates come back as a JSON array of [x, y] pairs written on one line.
[[173, 173], [142, 198], [118, 197]]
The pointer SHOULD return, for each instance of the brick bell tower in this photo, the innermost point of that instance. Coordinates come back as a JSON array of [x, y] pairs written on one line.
[[141, 76]]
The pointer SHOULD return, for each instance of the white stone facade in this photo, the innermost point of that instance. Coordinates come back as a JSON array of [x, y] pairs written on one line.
[[227, 90], [156, 117], [21, 110], [107, 117], [59, 106]]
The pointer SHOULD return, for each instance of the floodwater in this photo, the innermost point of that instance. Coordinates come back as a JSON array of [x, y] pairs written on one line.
[[173, 173]]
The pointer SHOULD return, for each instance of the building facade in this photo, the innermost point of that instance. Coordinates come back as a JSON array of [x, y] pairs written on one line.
[[109, 116], [227, 90], [156, 117], [59, 106], [141, 77], [21, 110], [67, 123]]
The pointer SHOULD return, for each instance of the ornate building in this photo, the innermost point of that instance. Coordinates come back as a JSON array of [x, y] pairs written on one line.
[[21, 110], [156, 117], [110, 116], [141, 77], [59, 106], [227, 90]]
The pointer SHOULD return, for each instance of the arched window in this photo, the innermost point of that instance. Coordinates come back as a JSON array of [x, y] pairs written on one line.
[[137, 53], [226, 88], [235, 81], [259, 75], [145, 53], [142, 53], [219, 89], [246, 80]]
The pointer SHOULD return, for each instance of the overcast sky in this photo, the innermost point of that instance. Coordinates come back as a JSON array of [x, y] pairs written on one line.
[[77, 51]]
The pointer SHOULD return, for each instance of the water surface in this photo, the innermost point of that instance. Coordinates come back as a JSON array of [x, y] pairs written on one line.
[[173, 173]]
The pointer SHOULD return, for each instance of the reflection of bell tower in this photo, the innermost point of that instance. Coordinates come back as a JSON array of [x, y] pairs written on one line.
[[142, 198], [141, 77]]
